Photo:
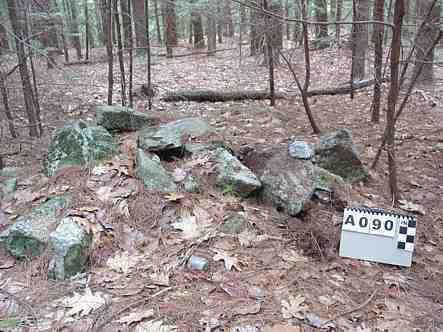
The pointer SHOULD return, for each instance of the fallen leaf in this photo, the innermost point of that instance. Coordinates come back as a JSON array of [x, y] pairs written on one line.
[[174, 197], [412, 207], [123, 262], [230, 262], [190, 228], [292, 256], [135, 317], [282, 328], [292, 308], [155, 326], [83, 304]]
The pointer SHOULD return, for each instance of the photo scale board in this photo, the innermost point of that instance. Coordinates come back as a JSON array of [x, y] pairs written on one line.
[[379, 236]]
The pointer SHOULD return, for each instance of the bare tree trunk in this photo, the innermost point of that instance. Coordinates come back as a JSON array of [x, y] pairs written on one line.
[[120, 51], [87, 29], [106, 6], [388, 18], [126, 21], [99, 22], [241, 30], [360, 39], [288, 25], [131, 55], [379, 6], [399, 12], [338, 14], [219, 22], [17, 16], [170, 24], [228, 30], [426, 35], [4, 44], [211, 34], [7, 110], [74, 28], [157, 22], [270, 56], [321, 13], [197, 27], [139, 23], [148, 57]]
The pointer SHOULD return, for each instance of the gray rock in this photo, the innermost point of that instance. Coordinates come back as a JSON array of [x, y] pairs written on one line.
[[69, 244], [119, 118], [288, 183], [232, 173], [28, 236], [190, 184], [8, 180], [172, 135], [151, 172], [234, 223], [337, 153], [78, 144], [300, 150]]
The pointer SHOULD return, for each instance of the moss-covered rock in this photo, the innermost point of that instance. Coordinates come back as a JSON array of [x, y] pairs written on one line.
[[78, 144], [70, 248], [8, 180], [28, 237], [172, 135], [152, 173], [337, 153], [119, 118]]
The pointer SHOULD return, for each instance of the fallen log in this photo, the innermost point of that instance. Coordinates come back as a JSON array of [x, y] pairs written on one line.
[[342, 90], [201, 96]]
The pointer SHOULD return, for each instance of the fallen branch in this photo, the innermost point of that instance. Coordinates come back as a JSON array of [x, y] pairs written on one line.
[[196, 53], [216, 96]]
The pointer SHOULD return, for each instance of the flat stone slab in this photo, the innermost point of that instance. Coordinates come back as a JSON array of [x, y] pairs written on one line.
[[119, 118], [152, 173]]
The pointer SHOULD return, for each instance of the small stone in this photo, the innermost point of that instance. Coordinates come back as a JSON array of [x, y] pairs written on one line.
[[234, 223], [300, 150]]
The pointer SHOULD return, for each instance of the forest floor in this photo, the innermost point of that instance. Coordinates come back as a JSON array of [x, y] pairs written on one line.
[[289, 274]]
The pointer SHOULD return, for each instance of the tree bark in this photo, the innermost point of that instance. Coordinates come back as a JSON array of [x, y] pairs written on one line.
[[87, 29], [211, 34], [7, 110], [426, 35], [270, 56], [126, 22], [107, 12], [379, 6], [99, 22], [197, 27], [74, 28], [321, 13], [131, 55], [140, 23], [399, 12], [217, 96], [220, 22], [17, 17], [4, 44], [120, 51], [170, 24], [228, 30], [338, 15], [360, 39], [157, 22]]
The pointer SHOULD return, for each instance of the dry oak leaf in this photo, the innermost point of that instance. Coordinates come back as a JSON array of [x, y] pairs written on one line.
[[282, 328], [230, 262], [83, 304], [123, 261], [190, 228], [135, 317], [155, 326], [292, 308]]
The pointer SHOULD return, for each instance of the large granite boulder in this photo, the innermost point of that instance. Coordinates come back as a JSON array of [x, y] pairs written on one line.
[[78, 144], [232, 174], [29, 236], [119, 118], [152, 173], [70, 249], [337, 153], [173, 135]]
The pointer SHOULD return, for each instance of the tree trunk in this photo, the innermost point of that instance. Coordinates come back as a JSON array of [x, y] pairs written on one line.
[[287, 25], [131, 55], [379, 6], [17, 17], [197, 27], [170, 24], [74, 28], [120, 51], [99, 22], [393, 97], [269, 52], [148, 55], [257, 30], [107, 12], [338, 15], [228, 30], [321, 13], [274, 33], [139, 23], [332, 9], [87, 30], [297, 35], [425, 38], [219, 23], [126, 22], [7, 110], [42, 23], [4, 44], [212, 34], [157, 22], [360, 39]]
